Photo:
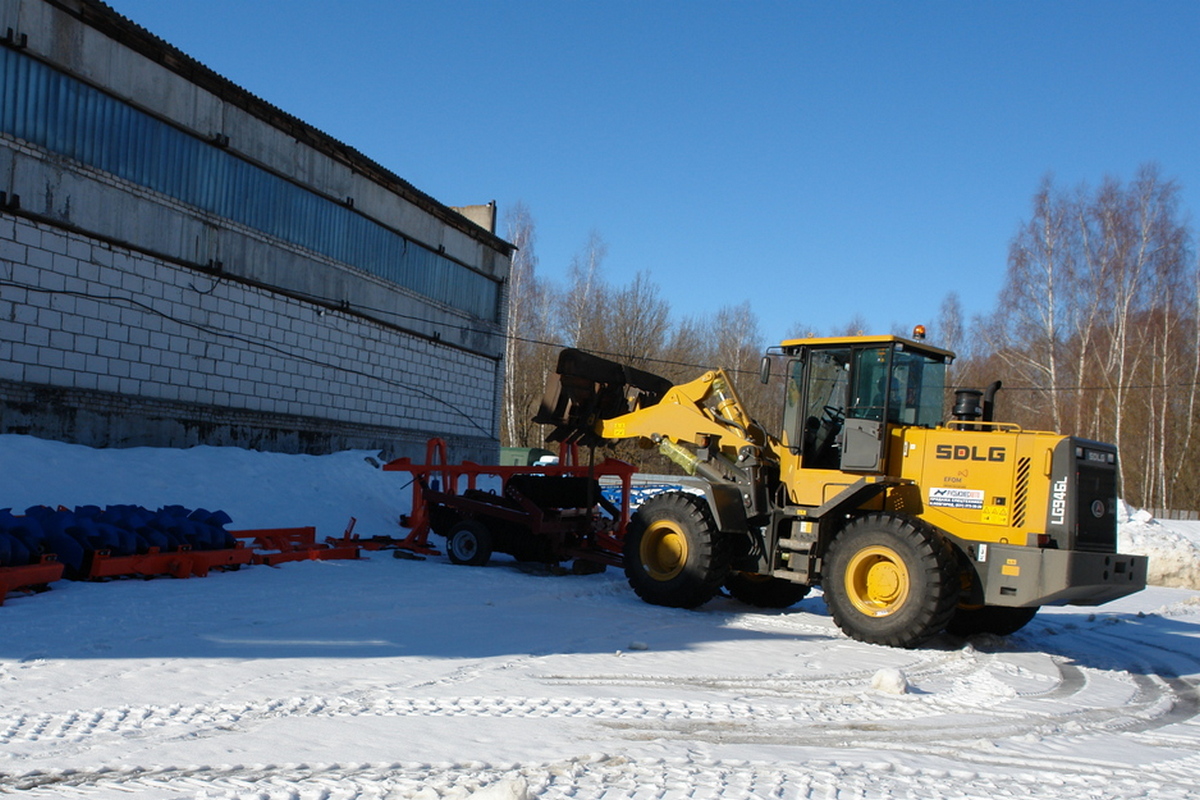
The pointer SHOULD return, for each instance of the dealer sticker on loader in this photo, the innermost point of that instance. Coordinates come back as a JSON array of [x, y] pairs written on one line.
[[956, 498]]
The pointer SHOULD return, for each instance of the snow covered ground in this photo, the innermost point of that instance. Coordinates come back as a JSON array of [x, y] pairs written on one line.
[[386, 678]]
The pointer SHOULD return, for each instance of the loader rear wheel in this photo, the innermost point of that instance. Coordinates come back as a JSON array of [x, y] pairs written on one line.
[[674, 555], [469, 542], [890, 580], [997, 620], [764, 591]]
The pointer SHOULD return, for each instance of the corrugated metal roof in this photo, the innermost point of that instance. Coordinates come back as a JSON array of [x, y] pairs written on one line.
[[108, 21]]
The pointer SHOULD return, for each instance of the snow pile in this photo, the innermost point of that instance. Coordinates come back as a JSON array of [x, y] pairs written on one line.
[[890, 681], [256, 490], [1173, 547]]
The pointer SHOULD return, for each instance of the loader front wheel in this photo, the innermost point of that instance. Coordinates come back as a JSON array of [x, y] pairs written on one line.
[[469, 542], [674, 555], [764, 591], [890, 580]]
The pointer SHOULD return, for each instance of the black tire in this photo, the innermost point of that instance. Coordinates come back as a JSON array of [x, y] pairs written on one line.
[[890, 580], [470, 543], [674, 555], [997, 620], [764, 591]]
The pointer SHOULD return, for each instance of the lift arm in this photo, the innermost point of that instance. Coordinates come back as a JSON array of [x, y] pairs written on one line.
[[595, 400]]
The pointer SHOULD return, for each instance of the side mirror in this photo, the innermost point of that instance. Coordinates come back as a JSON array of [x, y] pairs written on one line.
[[764, 369]]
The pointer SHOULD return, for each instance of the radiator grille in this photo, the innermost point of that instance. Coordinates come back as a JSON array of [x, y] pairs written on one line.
[[1095, 513]]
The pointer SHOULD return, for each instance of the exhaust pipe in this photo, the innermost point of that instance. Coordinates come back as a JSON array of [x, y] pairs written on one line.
[[989, 400]]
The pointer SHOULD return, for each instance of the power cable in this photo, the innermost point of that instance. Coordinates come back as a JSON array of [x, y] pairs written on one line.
[[628, 357], [344, 307]]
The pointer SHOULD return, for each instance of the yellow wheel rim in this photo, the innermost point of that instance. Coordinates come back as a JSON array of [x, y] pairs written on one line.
[[664, 550], [877, 581]]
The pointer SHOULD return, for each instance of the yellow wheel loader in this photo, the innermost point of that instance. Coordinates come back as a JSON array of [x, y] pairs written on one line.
[[911, 524]]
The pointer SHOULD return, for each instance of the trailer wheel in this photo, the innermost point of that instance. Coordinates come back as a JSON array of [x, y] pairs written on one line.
[[890, 580], [764, 591], [997, 620], [469, 542], [674, 555]]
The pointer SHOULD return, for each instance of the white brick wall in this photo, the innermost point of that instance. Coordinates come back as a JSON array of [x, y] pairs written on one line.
[[80, 314]]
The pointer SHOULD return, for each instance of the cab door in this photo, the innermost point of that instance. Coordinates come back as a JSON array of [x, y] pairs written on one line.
[[815, 409], [872, 394]]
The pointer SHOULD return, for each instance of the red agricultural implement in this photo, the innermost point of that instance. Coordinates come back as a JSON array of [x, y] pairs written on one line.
[[30, 577], [92, 544], [547, 513], [182, 562], [274, 546]]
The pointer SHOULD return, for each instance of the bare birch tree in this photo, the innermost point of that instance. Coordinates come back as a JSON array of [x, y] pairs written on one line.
[[687, 348], [1135, 254], [738, 347], [528, 359], [637, 322], [1097, 324], [1184, 404], [1035, 300], [519, 230], [969, 369], [582, 306], [950, 332]]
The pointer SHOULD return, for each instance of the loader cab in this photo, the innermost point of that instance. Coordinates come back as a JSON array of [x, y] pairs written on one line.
[[843, 394]]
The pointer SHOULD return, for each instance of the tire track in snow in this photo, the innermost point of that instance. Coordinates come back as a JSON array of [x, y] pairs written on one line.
[[1071, 681], [995, 711], [825, 711], [78, 725], [1155, 679], [831, 709], [819, 701], [617, 778], [952, 665]]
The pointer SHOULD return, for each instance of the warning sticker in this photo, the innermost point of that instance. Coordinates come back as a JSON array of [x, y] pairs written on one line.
[[995, 515], [956, 498]]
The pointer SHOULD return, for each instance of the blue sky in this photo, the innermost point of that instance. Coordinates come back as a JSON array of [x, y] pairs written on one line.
[[823, 161]]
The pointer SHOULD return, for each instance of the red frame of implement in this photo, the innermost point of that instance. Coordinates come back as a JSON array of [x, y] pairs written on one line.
[[29, 576], [294, 544], [451, 476]]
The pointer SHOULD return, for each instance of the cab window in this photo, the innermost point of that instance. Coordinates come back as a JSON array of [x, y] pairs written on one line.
[[920, 381], [871, 384], [824, 406]]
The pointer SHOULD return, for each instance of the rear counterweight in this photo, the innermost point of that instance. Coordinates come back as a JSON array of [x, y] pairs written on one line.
[[1035, 576]]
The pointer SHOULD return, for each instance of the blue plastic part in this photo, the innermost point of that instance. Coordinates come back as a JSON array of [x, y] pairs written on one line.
[[121, 530]]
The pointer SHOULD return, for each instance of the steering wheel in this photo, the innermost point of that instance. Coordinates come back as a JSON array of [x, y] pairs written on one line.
[[833, 415]]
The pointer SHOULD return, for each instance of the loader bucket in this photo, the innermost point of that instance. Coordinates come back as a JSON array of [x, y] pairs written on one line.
[[589, 389]]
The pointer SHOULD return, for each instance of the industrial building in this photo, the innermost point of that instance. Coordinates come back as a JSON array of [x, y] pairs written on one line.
[[183, 263]]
